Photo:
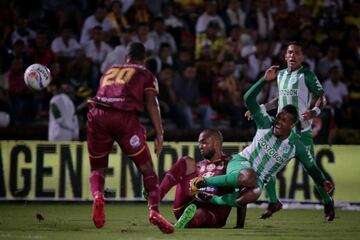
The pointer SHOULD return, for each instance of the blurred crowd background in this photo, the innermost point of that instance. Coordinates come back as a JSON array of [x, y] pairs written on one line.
[[205, 54]]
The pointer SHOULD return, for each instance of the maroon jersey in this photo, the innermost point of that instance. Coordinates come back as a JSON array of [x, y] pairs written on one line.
[[123, 87], [207, 168]]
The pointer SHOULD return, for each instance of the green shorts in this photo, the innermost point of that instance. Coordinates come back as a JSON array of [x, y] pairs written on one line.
[[238, 163]]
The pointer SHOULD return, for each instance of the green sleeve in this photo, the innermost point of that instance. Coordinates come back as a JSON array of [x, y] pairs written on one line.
[[313, 83], [55, 111], [309, 164], [259, 114]]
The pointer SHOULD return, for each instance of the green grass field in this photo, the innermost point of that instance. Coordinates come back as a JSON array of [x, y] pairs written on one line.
[[129, 221]]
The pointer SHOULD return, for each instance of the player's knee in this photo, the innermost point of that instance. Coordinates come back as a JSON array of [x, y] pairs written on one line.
[[248, 195], [257, 193], [247, 178]]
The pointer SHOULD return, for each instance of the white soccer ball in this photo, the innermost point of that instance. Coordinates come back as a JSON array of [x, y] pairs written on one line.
[[37, 76]]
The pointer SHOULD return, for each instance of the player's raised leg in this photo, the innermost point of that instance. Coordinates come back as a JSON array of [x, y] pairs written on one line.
[[184, 166], [151, 184]]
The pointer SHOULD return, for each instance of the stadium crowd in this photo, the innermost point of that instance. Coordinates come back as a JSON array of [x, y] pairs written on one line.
[[205, 53]]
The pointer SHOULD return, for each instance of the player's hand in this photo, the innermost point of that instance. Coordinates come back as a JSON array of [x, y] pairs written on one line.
[[328, 186], [248, 115], [158, 144], [271, 73], [310, 114]]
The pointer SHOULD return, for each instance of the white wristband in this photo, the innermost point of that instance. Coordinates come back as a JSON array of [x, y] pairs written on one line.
[[317, 110]]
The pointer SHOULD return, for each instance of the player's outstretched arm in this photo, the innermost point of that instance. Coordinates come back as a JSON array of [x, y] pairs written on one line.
[[152, 106], [251, 94], [261, 118], [314, 171]]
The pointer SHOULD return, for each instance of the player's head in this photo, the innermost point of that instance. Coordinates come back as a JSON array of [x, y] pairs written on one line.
[[294, 56], [136, 53], [210, 144], [286, 119]]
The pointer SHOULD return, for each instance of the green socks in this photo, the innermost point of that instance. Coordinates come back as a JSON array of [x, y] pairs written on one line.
[[270, 188], [228, 180], [226, 199], [186, 217]]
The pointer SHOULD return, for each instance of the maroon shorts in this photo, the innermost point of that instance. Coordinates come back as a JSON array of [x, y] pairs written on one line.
[[106, 125]]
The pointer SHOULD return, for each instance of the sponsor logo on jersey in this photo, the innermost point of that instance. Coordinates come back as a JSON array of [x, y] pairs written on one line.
[[220, 166], [210, 167], [289, 92], [135, 141], [110, 100], [270, 150]]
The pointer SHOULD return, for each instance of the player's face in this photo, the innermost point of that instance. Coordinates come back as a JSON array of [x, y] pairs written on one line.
[[294, 57], [206, 146], [283, 124]]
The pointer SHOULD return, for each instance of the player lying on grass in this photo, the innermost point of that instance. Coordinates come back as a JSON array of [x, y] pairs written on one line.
[[273, 146], [189, 211]]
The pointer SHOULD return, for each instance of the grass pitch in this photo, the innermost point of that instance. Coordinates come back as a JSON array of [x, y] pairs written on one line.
[[129, 221]]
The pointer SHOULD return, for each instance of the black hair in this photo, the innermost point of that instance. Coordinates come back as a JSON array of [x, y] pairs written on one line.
[[136, 51], [296, 43], [293, 111], [164, 45], [215, 133]]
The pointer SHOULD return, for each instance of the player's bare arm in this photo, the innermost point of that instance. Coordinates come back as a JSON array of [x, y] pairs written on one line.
[[270, 75], [316, 110], [152, 106]]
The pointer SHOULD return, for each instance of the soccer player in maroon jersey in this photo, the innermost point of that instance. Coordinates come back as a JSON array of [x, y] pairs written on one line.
[[185, 168], [123, 92]]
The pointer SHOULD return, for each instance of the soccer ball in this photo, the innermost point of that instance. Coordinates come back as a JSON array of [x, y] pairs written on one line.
[[37, 76]]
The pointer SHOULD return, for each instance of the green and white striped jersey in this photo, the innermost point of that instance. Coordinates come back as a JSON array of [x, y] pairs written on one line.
[[268, 154], [298, 88]]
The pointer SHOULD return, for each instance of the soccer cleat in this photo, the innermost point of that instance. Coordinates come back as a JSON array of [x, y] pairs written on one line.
[[98, 211], [329, 211], [271, 209], [186, 217], [196, 184], [203, 196], [159, 221]]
